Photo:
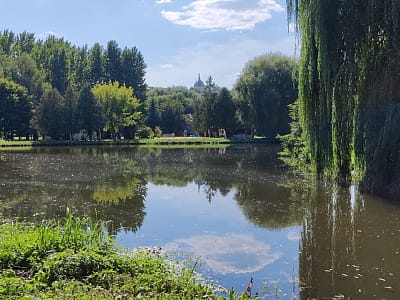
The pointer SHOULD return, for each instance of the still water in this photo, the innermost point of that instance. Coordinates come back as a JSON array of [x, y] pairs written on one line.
[[235, 209]]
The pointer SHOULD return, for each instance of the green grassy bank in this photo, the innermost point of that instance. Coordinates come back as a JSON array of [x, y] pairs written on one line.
[[141, 142], [77, 260]]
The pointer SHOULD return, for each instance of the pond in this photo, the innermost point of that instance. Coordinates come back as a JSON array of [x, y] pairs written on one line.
[[235, 210]]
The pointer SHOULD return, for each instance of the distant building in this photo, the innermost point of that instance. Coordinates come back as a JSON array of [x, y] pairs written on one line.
[[199, 83]]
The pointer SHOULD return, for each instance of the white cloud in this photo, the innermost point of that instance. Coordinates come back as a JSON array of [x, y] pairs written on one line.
[[224, 14], [46, 34], [236, 253], [163, 1], [223, 61], [167, 66]]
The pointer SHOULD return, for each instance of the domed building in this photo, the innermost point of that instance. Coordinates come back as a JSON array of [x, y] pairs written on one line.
[[199, 83]]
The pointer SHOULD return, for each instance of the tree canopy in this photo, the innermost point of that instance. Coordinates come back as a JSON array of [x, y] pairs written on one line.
[[121, 108], [263, 92], [349, 101], [53, 73]]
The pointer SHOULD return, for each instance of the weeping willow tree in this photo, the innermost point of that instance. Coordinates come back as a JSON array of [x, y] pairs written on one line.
[[349, 89]]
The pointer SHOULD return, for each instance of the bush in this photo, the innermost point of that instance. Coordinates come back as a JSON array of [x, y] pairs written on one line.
[[157, 131], [145, 132]]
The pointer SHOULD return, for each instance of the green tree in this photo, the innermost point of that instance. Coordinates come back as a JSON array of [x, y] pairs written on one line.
[[7, 41], [71, 111], [206, 115], [90, 112], [25, 43], [171, 111], [263, 91], [133, 72], [349, 102], [79, 67], [120, 106], [153, 116], [225, 111], [15, 109], [51, 115], [96, 65], [53, 57], [112, 62]]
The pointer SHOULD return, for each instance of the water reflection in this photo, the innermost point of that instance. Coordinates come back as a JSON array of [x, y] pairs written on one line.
[[349, 246], [95, 182], [235, 253], [235, 207]]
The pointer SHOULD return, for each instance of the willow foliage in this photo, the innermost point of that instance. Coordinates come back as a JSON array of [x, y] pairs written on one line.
[[349, 98]]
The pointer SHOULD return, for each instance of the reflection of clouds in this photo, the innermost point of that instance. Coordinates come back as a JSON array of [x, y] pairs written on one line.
[[236, 253], [293, 236]]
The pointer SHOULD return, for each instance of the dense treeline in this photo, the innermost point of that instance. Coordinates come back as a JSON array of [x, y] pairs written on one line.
[[47, 86], [348, 105], [258, 103], [53, 89]]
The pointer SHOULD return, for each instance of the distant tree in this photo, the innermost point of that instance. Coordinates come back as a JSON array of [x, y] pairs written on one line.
[[7, 41], [263, 91], [172, 111], [71, 111], [205, 117], [25, 42], [133, 72], [225, 111], [51, 115], [121, 108], [90, 112], [15, 109], [52, 56], [172, 119], [113, 62], [23, 70], [96, 65], [79, 67], [153, 116]]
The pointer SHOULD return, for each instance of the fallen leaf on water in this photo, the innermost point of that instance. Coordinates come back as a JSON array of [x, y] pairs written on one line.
[[389, 288]]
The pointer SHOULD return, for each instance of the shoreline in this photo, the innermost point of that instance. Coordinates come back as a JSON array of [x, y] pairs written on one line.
[[135, 142]]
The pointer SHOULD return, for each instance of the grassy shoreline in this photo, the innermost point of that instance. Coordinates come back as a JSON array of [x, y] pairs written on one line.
[[134, 142], [77, 260]]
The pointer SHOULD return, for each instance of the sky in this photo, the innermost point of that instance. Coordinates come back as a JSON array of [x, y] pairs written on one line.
[[179, 39]]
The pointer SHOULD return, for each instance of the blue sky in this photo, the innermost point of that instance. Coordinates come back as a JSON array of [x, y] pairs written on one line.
[[178, 38]]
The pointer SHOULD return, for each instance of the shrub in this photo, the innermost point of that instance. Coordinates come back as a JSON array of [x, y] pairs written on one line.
[[145, 132]]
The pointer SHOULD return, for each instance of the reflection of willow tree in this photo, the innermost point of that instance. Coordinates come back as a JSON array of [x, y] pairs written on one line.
[[327, 243], [346, 250]]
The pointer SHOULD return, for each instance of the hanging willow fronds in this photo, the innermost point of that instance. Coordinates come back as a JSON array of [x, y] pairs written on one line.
[[349, 93]]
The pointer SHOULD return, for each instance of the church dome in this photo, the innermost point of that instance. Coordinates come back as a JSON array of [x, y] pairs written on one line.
[[198, 83]]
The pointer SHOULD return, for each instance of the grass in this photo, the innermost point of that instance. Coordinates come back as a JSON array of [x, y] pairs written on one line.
[[76, 260], [165, 142]]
